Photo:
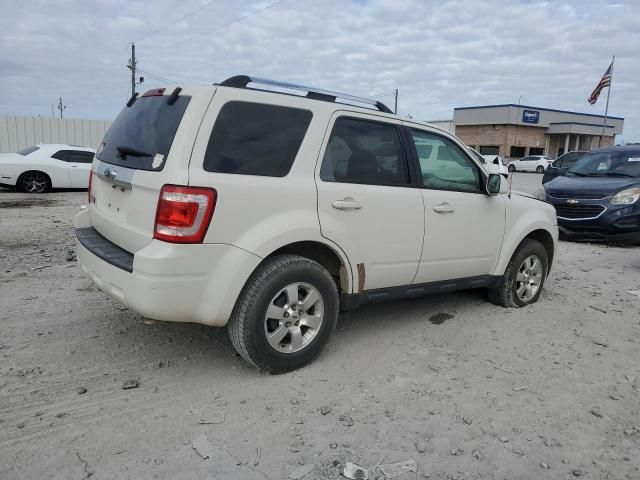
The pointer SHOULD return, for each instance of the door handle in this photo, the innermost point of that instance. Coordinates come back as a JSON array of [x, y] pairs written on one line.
[[444, 208], [346, 204], [73, 166]]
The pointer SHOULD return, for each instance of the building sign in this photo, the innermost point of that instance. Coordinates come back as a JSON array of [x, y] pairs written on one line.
[[530, 116]]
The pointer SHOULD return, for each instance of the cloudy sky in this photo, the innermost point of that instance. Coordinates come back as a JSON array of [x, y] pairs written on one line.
[[439, 54]]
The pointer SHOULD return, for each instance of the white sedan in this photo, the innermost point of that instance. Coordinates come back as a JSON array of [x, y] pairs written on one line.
[[40, 168], [532, 163]]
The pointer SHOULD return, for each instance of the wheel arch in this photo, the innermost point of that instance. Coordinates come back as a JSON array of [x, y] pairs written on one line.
[[546, 239], [539, 233], [32, 170], [329, 257]]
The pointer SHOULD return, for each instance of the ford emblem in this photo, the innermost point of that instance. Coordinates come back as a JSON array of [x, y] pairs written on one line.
[[110, 173]]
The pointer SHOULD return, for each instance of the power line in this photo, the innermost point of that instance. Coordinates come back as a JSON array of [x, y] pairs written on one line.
[[156, 77], [190, 14], [220, 27]]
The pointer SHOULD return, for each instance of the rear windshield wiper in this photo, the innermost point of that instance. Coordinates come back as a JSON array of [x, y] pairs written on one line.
[[128, 151]]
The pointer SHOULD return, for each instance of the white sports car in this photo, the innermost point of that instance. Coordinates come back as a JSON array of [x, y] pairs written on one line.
[[40, 168]]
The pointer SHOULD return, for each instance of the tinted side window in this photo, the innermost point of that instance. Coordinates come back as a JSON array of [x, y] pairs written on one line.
[[75, 156], [256, 139], [362, 151], [84, 157], [443, 164], [64, 155]]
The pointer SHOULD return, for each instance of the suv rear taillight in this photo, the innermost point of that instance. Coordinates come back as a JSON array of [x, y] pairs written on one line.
[[89, 188], [184, 213]]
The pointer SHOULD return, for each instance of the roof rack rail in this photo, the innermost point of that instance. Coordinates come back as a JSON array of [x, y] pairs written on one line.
[[241, 81]]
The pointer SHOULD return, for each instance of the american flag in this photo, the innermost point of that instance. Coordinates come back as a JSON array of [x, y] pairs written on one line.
[[604, 82]]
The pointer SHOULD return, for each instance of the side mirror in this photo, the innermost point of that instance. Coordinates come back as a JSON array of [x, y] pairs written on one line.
[[493, 184]]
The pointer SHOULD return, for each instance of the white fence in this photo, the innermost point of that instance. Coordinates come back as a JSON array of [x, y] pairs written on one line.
[[20, 132]]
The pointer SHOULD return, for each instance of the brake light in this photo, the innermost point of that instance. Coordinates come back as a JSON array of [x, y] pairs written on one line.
[[154, 92], [89, 188], [184, 213]]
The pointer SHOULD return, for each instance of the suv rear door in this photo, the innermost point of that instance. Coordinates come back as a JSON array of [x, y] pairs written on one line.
[[367, 202], [148, 145]]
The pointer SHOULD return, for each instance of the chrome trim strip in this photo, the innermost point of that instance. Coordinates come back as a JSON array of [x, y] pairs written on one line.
[[114, 174], [583, 218]]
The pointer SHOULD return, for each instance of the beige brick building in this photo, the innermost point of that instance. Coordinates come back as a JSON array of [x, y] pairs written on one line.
[[514, 131]]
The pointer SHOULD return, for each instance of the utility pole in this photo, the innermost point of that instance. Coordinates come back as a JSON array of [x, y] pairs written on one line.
[[395, 109], [53, 112], [61, 107], [517, 122], [132, 66]]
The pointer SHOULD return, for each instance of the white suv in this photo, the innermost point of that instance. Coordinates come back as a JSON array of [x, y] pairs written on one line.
[[270, 211]]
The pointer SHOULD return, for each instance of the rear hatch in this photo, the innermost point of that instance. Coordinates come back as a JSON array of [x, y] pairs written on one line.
[[148, 145]]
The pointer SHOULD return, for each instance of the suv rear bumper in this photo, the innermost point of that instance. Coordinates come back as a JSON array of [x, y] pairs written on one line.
[[170, 282]]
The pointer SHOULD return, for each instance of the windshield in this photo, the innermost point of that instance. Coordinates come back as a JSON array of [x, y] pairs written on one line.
[[141, 136], [26, 151], [608, 164]]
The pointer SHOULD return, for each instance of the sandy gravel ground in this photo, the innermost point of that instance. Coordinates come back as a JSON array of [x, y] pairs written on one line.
[[551, 391]]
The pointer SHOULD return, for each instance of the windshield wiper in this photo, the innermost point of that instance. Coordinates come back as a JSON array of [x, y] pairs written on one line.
[[576, 173], [128, 151], [618, 174]]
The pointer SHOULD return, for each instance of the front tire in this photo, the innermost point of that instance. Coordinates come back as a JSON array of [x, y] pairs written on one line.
[[285, 314], [524, 277], [34, 182], [540, 169]]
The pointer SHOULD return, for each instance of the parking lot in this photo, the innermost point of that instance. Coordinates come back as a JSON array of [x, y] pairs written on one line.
[[548, 391]]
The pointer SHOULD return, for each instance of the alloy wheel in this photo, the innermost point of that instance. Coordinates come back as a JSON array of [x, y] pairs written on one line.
[[294, 317], [529, 278], [34, 182]]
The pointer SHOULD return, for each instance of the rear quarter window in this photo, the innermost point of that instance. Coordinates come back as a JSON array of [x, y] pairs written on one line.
[[256, 139]]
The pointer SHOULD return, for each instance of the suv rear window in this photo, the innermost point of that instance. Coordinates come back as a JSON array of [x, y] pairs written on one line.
[[147, 127], [256, 139]]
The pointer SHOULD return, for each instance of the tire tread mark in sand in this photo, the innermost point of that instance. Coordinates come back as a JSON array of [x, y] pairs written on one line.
[[439, 318], [85, 466]]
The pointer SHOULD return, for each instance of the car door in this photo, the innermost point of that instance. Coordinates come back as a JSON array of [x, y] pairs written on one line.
[[79, 168], [464, 226], [58, 168], [367, 203], [525, 164]]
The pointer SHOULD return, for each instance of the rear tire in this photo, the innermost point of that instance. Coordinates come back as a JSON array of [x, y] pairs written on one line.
[[540, 169], [523, 279], [511, 168], [34, 181], [285, 314]]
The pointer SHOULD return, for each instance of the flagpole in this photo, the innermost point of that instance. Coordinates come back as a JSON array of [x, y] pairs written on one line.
[[606, 109]]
